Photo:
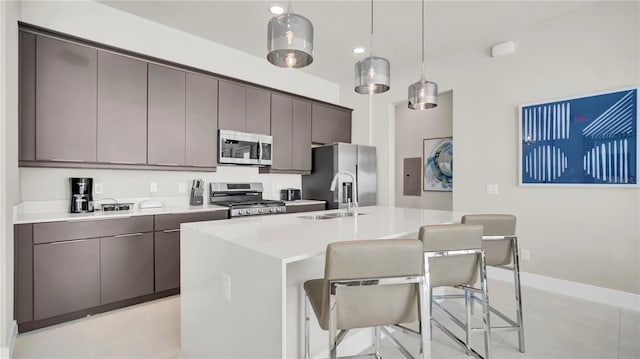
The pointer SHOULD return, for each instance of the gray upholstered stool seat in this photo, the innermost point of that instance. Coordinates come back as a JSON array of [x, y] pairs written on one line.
[[453, 257], [367, 283], [501, 250]]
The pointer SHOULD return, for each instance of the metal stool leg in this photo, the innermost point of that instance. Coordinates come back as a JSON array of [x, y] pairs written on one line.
[[516, 283], [376, 341], [485, 308], [467, 329], [306, 327]]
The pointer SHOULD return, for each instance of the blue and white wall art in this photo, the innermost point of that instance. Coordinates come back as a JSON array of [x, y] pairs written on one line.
[[437, 160], [590, 140]]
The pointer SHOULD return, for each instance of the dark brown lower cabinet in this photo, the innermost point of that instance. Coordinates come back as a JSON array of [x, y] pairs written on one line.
[[167, 259], [126, 267], [66, 277]]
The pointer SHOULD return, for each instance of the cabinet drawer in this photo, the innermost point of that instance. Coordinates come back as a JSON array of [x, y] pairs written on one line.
[[306, 208], [62, 231], [172, 221]]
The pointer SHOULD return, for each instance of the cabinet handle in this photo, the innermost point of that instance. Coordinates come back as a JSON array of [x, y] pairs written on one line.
[[128, 235], [168, 164], [64, 242], [205, 166], [172, 230], [95, 219], [65, 160]]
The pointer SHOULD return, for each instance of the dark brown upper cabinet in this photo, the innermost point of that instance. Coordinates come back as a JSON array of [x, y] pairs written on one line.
[[122, 109], [66, 93], [301, 147], [166, 116], [201, 120], [291, 131], [282, 131], [242, 108], [27, 99], [330, 124]]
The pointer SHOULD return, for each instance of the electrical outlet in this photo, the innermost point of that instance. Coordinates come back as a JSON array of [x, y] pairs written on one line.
[[226, 287], [98, 188], [182, 187], [492, 189], [525, 254], [153, 187]]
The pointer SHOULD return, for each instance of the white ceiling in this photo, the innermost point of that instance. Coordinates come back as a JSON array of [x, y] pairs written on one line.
[[451, 26]]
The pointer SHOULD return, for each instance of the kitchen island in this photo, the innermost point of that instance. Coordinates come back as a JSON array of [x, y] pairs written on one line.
[[241, 294]]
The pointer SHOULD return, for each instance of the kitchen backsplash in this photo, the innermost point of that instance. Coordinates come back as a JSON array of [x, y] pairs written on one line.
[[52, 184]]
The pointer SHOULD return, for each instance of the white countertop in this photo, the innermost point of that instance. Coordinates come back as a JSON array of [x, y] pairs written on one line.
[[21, 217], [290, 238]]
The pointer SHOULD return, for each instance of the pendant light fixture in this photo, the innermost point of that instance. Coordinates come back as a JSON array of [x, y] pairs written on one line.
[[372, 73], [290, 40], [423, 94]]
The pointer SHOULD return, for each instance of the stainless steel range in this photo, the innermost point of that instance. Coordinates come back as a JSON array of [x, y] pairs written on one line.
[[243, 199]]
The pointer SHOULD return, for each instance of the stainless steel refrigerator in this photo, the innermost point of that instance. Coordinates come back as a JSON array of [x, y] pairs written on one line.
[[331, 159]]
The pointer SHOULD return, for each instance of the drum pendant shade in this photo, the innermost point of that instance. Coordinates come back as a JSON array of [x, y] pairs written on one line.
[[290, 41]]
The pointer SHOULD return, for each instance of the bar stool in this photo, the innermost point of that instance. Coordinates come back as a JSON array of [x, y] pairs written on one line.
[[501, 250], [453, 257], [368, 283]]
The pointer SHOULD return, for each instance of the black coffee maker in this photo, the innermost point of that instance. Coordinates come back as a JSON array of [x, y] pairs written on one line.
[[81, 195]]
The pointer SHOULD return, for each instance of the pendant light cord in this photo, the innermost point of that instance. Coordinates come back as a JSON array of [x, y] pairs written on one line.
[[371, 45], [423, 39]]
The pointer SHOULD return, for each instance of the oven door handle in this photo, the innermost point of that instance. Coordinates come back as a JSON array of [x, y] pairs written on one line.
[[259, 151]]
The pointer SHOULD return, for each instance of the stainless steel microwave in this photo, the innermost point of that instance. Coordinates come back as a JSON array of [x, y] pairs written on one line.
[[244, 148]]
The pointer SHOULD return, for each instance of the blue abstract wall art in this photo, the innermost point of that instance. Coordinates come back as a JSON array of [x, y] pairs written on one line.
[[438, 164], [590, 140]]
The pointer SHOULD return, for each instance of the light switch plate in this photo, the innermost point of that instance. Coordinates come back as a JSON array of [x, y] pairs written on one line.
[[492, 189], [182, 187], [525, 254], [98, 188], [153, 187]]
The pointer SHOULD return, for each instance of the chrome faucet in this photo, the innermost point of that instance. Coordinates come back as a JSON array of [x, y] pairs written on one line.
[[334, 182]]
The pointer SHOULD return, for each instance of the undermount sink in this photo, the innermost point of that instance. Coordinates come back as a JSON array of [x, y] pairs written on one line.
[[316, 217], [343, 214]]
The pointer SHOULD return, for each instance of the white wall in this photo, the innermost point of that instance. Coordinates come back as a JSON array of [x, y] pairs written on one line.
[[9, 184], [586, 235], [411, 127]]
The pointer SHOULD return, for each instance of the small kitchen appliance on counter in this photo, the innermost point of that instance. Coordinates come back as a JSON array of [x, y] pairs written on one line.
[[81, 194], [197, 189], [243, 199], [111, 207], [290, 194]]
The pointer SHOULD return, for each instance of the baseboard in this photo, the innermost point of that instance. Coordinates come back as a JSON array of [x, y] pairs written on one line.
[[12, 338], [592, 293]]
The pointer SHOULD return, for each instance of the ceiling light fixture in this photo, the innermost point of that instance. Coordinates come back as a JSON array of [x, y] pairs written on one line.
[[276, 9], [423, 94], [290, 40], [372, 73], [358, 50]]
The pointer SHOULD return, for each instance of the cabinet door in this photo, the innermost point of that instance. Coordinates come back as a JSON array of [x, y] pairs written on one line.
[[166, 111], [341, 125], [122, 109], [126, 267], [232, 111], [321, 124], [201, 121], [23, 306], [66, 277], [282, 132], [258, 111], [27, 99], [66, 83], [167, 259], [301, 148]]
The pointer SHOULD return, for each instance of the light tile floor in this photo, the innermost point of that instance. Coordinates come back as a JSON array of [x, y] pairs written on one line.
[[555, 327]]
